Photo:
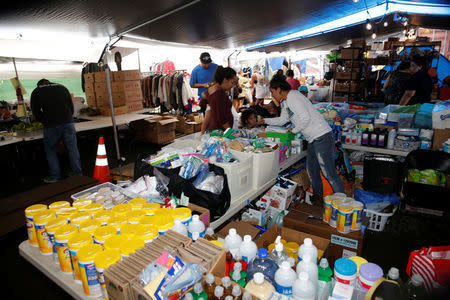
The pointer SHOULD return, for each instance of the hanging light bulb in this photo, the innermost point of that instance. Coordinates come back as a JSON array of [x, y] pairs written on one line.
[[368, 25], [355, 1], [385, 24], [374, 35]]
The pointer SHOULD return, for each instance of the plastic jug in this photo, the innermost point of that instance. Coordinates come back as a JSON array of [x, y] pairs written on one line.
[[248, 249], [209, 285], [180, 227], [247, 296], [233, 241], [308, 247], [198, 292], [237, 275], [324, 282], [196, 226], [308, 266], [303, 288], [415, 288], [260, 287], [277, 254], [262, 264], [284, 279]]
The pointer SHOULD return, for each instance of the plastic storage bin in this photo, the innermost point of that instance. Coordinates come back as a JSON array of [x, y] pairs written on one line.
[[239, 174], [113, 187], [377, 220]]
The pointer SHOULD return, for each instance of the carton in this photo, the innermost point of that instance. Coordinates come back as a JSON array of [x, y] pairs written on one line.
[[90, 98], [89, 86], [158, 129], [202, 212], [129, 75], [347, 75], [101, 77], [89, 77], [185, 126], [242, 228], [120, 86], [197, 120], [134, 106], [350, 53], [440, 136], [120, 110]]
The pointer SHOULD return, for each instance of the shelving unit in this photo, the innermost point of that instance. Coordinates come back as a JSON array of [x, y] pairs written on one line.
[[348, 84]]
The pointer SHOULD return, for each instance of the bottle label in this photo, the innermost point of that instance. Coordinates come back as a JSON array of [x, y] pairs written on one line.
[[245, 258], [284, 290]]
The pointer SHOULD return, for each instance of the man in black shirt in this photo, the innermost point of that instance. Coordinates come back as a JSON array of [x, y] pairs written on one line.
[[420, 86], [52, 105]]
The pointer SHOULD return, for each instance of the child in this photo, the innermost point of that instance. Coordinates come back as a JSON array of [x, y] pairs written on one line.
[[249, 125]]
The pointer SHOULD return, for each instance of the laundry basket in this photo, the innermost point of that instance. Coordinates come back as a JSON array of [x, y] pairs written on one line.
[[378, 220]]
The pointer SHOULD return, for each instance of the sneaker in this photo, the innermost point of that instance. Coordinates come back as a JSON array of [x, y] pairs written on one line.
[[49, 179]]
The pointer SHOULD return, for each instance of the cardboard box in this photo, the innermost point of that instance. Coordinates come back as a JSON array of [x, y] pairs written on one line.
[[439, 137], [128, 75], [184, 126], [89, 77], [158, 129], [347, 75], [134, 106], [242, 228], [203, 213], [120, 86], [89, 86], [350, 53], [100, 77], [90, 98], [120, 110], [340, 244], [291, 235], [281, 195]]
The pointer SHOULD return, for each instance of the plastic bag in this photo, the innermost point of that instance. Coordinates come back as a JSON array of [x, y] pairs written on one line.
[[375, 201], [212, 183], [192, 167], [145, 187], [183, 281], [162, 183]]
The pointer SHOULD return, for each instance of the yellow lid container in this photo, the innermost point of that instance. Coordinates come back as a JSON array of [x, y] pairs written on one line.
[[107, 258], [117, 222], [289, 252], [78, 218], [147, 233], [81, 204], [59, 204], [150, 208], [93, 208], [103, 216], [358, 261], [121, 209], [336, 202], [357, 205], [32, 210], [66, 212], [131, 246], [64, 233], [129, 230], [163, 223], [182, 213], [115, 242], [270, 247], [137, 203], [55, 224], [163, 212], [293, 246], [79, 240], [89, 226], [134, 216], [89, 252], [217, 243], [148, 220], [44, 217], [102, 233], [345, 207]]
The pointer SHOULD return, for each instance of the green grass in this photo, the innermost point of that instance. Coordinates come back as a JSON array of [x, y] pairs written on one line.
[[7, 91]]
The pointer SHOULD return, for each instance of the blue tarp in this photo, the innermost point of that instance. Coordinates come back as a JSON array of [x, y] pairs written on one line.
[[276, 62]]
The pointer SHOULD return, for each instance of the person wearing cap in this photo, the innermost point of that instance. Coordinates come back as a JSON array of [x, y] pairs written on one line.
[[304, 90], [419, 87], [52, 105]]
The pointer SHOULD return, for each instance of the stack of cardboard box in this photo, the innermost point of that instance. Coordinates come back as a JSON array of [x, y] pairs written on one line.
[[158, 129], [190, 123], [126, 91]]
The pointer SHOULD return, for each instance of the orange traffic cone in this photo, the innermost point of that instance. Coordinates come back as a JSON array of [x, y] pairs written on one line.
[[101, 171]]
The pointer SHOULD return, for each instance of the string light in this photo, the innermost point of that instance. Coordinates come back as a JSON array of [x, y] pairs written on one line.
[[385, 24], [368, 25], [374, 35], [355, 1]]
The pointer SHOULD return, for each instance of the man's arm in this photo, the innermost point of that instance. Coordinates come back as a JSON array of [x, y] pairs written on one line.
[[36, 106], [194, 82], [407, 96]]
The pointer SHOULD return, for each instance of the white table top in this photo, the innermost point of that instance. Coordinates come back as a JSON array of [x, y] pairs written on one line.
[[375, 150]]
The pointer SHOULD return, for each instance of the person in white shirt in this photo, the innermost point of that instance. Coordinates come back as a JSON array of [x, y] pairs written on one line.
[[298, 110]]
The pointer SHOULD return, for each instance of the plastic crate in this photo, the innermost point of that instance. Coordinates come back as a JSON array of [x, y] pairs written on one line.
[[377, 220], [239, 174], [113, 187]]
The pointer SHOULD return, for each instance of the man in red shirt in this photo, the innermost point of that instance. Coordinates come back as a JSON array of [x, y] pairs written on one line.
[[294, 83]]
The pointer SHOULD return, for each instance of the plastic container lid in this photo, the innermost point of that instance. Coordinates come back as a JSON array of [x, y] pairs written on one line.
[[258, 278], [137, 203], [93, 208], [293, 246], [226, 281], [103, 216], [115, 242], [182, 213], [80, 240], [345, 266], [44, 217], [134, 216], [81, 203], [324, 263], [217, 243], [65, 232], [131, 245], [394, 273], [150, 208], [148, 221], [218, 291], [55, 224], [358, 261], [328, 199], [129, 230], [79, 217], [209, 278], [66, 212], [357, 205], [146, 232], [163, 222], [262, 253], [345, 208], [89, 252], [107, 258], [59, 204], [371, 272], [104, 232], [34, 209], [121, 209], [89, 226], [303, 276], [337, 202], [163, 212], [117, 221]]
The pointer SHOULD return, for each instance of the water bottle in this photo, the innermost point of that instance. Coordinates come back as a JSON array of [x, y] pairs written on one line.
[[218, 293], [277, 254], [303, 288], [308, 247], [209, 285], [188, 296], [415, 288], [196, 226], [391, 138], [284, 279], [236, 292], [260, 287], [307, 266], [262, 264], [179, 227], [226, 283], [324, 283], [248, 249], [247, 296], [233, 240]]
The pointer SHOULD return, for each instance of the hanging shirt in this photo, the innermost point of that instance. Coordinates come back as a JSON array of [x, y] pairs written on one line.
[[260, 86], [202, 75]]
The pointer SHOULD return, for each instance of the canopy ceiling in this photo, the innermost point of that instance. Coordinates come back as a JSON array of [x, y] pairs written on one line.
[[215, 23]]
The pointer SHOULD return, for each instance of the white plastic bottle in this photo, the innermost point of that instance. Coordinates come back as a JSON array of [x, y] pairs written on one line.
[[248, 249], [278, 254], [247, 296], [391, 138], [233, 241], [196, 226], [308, 247], [284, 279], [260, 287], [303, 288], [179, 227], [309, 267]]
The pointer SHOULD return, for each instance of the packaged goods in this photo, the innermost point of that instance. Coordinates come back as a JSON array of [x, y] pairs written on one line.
[[40, 220], [89, 276], [30, 212], [284, 279], [260, 287], [62, 238], [76, 242]]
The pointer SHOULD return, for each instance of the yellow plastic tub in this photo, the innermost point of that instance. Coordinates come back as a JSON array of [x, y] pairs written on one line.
[[78, 218], [102, 233], [150, 208], [129, 230], [89, 226], [137, 203], [121, 209], [62, 237], [117, 222], [78, 241], [88, 272], [147, 233], [51, 229], [59, 204], [66, 212], [103, 216], [30, 212], [115, 242], [131, 246], [103, 261], [40, 220], [134, 216], [81, 204], [93, 208], [182, 213]]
